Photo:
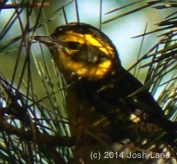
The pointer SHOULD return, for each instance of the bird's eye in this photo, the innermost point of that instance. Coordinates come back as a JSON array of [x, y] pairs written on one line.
[[73, 45]]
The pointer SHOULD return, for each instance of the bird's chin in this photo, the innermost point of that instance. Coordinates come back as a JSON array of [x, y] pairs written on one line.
[[70, 77]]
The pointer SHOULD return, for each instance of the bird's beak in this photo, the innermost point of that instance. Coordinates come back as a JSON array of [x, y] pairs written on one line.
[[48, 40]]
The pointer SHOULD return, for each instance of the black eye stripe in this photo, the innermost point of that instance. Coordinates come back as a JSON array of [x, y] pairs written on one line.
[[73, 45], [70, 45]]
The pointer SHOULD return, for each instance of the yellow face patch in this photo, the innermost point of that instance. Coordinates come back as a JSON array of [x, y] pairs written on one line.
[[88, 39], [81, 69], [91, 71]]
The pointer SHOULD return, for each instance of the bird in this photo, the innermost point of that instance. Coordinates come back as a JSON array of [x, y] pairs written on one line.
[[102, 95]]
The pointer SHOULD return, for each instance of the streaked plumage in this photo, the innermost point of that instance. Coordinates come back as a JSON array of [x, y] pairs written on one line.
[[103, 94]]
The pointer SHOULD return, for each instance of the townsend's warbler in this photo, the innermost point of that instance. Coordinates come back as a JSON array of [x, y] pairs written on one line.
[[101, 95]]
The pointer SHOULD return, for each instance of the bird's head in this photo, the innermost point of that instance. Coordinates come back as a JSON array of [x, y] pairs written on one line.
[[81, 50]]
